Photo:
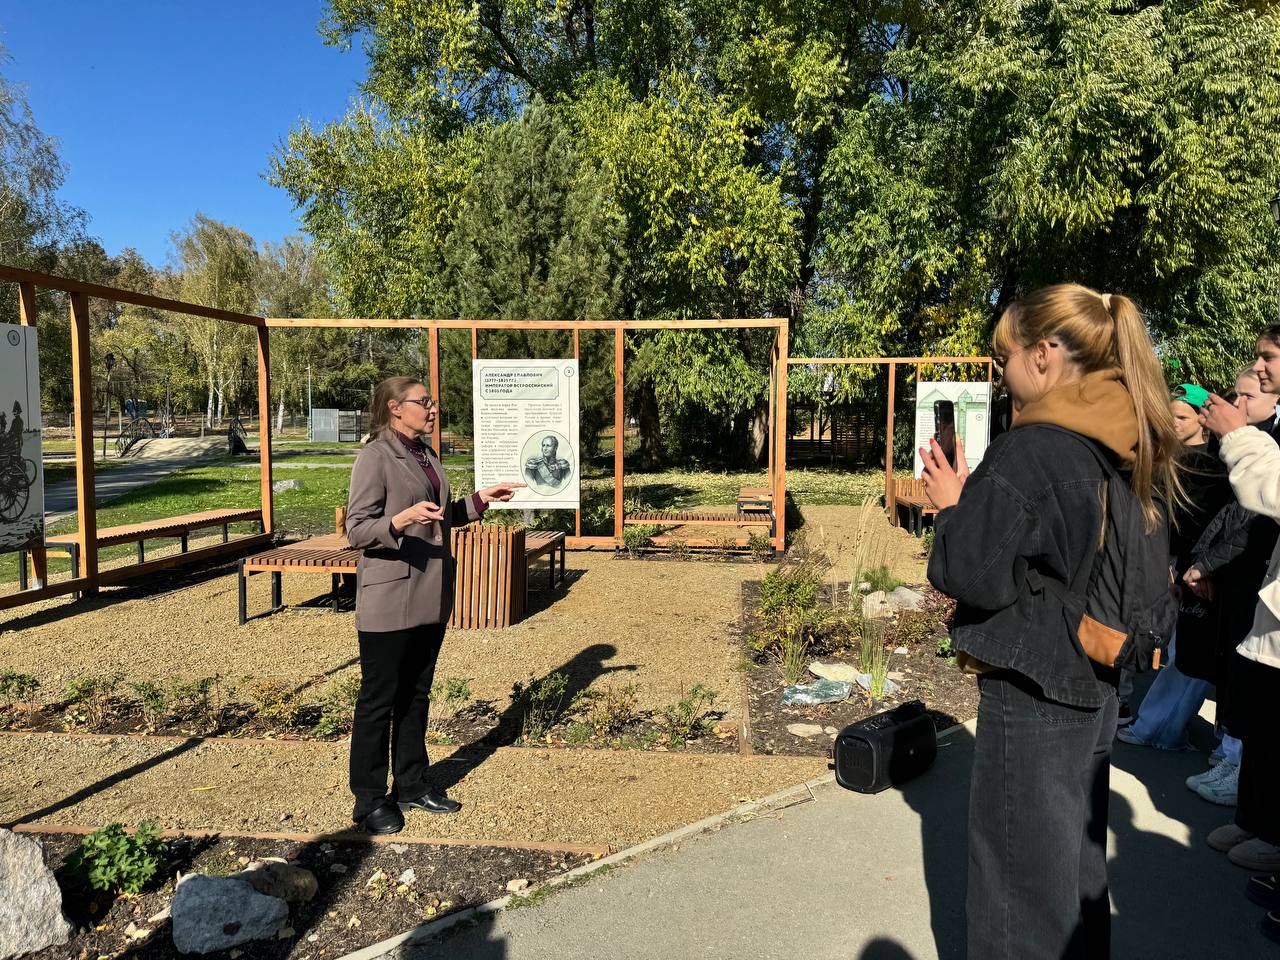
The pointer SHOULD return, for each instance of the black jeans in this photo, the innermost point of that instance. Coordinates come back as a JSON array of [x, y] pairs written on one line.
[[1255, 691], [396, 670], [1038, 825]]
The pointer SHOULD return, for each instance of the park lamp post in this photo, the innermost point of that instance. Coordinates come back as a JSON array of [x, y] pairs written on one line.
[[110, 361]]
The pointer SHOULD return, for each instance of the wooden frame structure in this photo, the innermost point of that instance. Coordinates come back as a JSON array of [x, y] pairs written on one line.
[[777, 444], [890, 483], [87, 577]]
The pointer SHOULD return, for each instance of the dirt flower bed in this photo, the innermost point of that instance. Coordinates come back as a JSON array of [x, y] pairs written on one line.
[[367, 892]]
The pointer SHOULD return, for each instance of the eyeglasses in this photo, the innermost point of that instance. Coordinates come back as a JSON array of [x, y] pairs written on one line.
[[426, 403]]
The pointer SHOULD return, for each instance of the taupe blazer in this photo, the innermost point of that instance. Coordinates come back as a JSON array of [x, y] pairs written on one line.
[[407, 580]]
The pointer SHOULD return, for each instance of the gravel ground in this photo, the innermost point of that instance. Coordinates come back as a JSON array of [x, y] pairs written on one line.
[[512, 794], [835, 529]]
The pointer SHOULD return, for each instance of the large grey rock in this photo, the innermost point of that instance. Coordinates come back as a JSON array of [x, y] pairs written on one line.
[[904, 598], [217, 913], [876, 605], [289, 882], [30, 901], [840, 672]]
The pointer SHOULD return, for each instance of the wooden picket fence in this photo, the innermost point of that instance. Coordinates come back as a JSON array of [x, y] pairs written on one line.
[[492, 577]]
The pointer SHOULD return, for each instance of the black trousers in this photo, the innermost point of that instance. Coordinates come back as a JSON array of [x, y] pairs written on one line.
[[1037, 885], [396, 670], [1255, 692]]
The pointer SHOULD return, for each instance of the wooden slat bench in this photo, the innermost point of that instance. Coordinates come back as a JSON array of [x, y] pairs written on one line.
[[489, 590], [180, 528], [704, 518], [755, 500], [912, 500]]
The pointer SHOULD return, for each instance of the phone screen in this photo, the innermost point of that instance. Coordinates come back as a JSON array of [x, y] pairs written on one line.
[[944, 428]]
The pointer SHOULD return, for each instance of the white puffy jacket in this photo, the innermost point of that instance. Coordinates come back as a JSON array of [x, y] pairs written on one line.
[[1253, 460]]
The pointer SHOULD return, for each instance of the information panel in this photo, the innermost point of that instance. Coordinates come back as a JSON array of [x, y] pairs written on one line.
[[973, 417], [526, 429], [21, 465]]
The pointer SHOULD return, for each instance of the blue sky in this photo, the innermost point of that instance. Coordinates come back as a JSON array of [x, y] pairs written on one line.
[[165, 108]]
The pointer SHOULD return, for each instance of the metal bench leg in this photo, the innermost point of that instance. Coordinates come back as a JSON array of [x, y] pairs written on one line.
[[563, 551], [551, 568], [184, 538], [275, 591], [142, 553], [337, 580], [225, 534], [244, 598], [74, 551], [22, 569]]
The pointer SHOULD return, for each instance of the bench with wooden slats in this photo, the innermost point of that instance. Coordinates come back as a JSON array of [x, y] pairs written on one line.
[[911, 499], [180, 528], [706, 518], [489, 590], [755, 500]]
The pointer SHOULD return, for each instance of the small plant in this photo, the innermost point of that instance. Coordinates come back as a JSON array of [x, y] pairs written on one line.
[[794, 653], [881, 578], [678, 547], [90, 699], [871, 639], [685, 719], [113, 861], [724, 546], [338, 708], [541, 703], [926, 541], [154, 701], [16, 688], [638, 536], [276, 702], [611, 710], [200, 700], [760, 545], [448, 696], [944, 645], [879, 668], [578, 733], [912, 627]]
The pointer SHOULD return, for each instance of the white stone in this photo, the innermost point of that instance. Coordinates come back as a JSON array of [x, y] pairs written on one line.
[[517, 886], [804, 729], [408, 877], [904, 598], [901, 651], [399, 847], [840, 672], [876, 605], [217, 913], [30, 901], [830, 730]]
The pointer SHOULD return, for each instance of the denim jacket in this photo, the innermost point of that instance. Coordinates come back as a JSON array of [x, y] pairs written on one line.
[[1032, 510]]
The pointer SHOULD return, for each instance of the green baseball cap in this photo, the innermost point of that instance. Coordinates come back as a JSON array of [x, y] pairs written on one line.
[[1191, 395]]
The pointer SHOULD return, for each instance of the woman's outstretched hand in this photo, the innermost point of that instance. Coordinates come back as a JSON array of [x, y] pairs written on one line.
[[942, 482], [500, 493], [1222, 417]]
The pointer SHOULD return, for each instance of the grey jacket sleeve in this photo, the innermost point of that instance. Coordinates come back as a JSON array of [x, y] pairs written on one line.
[[367, 523]]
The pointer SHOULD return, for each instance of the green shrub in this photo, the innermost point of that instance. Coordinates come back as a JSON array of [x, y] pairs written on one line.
[[338, 708], [678, 547], [154, 701], [90, 699], [448, 696], [611, 709], [685, 719], [944, 645], [200, 700], [540, 703], [881, 578], [276, 702], [16, 688], [879, 671], [637, 536], [926, 541], [578, 733], [114, 862], [794, 653], [912, 627], [760, 545]]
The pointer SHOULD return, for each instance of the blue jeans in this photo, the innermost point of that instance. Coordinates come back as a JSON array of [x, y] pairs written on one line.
[[1038, 825], [1174, 698]]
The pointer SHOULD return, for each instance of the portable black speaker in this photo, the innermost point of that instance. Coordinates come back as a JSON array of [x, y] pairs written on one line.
[[885, 750]]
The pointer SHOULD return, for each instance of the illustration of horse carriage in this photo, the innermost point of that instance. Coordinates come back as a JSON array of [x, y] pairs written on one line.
[[17, 477]]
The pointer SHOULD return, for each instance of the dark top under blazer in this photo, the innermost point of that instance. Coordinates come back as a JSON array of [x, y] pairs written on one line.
[[404, 578]]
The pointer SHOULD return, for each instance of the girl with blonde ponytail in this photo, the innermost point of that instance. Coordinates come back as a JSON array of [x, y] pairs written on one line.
[[1088, 399]]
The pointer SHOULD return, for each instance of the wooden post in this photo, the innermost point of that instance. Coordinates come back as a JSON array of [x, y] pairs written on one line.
[[475, 344], [773, 410], [82, 413], [577, 355], [27, 318], [619, 355], [264, 429], [890, 493], [433, 346], [780, 441]]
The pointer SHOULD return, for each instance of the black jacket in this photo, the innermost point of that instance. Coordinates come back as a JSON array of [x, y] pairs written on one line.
[[1032, 510], [1208, 491]]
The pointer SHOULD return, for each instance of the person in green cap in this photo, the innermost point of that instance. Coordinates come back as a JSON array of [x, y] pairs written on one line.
[[1188, 400]]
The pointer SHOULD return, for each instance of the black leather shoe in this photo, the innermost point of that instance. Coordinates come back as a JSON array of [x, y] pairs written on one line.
[[432, 802], [386, 819]]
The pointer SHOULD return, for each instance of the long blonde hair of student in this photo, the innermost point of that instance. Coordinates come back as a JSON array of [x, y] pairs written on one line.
[[1106, 333]]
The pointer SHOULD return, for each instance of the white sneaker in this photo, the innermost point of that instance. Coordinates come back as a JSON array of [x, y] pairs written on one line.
[[1224, 790], [1212, 775]]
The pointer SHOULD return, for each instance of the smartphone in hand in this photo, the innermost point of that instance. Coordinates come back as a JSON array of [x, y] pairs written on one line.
[[944, 428]]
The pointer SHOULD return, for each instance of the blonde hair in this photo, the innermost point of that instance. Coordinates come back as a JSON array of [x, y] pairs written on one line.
[[1106, 333], [392, 388], [1247, 371]]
